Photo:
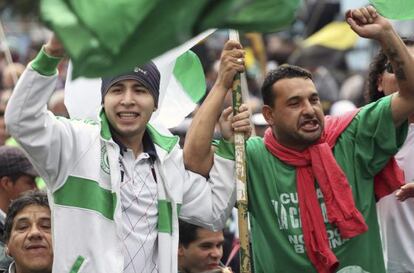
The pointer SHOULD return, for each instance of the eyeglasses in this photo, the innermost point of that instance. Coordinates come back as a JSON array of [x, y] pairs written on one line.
[[388, 68]]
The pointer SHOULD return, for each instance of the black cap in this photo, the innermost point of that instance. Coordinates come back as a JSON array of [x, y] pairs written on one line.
[[148, 75]]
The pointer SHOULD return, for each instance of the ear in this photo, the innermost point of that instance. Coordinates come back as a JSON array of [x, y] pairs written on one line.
[[379, 84], [6, 183], [180, 250], [7, 251], [267, 112]]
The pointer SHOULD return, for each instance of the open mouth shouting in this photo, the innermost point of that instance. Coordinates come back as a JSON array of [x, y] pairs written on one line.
[[310, 125]]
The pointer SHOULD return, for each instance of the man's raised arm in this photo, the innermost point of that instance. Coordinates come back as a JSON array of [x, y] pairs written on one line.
[[198, 152], [367, 23]]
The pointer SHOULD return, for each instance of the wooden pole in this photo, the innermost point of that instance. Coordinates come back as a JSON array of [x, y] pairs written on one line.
[[241, 185], [7, 53]]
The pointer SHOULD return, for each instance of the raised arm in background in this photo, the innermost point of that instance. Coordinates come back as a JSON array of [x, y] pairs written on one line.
[[367, 23], [198, 151]]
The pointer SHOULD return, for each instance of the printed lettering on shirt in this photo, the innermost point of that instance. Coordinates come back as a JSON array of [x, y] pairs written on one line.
[[288, 218]]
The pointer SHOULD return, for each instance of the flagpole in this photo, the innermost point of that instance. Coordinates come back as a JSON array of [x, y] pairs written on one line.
[[241, 185], [7, 53]]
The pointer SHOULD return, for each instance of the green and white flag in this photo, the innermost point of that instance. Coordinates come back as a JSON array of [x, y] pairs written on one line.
[[108, 37], [182, 86]]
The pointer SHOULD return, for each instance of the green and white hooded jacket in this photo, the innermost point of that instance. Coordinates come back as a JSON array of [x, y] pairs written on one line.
[[79, 162]]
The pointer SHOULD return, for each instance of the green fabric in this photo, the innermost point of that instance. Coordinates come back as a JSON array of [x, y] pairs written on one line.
[[395, 9], [193, 83], [105, 131], [40, 183], [224, 149], [87, 194], [45, 64], [164, 216], [12, 142], [100, 44], [165, 142], [179, 208], [362, 150], [78, 263]]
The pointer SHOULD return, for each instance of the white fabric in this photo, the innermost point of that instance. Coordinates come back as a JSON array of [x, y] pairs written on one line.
[[177, 107], [397, 218], [12, 268], [2, 216], [139, 214]]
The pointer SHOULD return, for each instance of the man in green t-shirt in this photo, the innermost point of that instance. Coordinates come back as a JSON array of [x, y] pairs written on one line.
[[310, 180]]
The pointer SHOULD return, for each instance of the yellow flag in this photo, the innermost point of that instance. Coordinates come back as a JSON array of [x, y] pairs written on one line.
[[335, 35]]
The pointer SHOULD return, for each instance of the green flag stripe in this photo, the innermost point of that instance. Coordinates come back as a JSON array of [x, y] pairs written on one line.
[[87, 194], [395, 9], [189, 72], [164, 216]]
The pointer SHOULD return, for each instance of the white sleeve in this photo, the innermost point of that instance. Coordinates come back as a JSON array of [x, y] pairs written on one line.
[[209, 204], [49, 141]]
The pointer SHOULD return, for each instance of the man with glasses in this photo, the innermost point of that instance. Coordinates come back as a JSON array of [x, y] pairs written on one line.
[[396, 218]]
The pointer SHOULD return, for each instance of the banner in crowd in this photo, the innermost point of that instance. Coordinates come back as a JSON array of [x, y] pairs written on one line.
[[106, 37]]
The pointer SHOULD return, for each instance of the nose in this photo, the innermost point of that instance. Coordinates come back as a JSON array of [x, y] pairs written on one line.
[[216, 253], [128, 98], [34, 232], [308, 108]]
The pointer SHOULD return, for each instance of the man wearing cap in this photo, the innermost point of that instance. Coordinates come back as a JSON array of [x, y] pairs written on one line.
[[16, 176], [118, 186]]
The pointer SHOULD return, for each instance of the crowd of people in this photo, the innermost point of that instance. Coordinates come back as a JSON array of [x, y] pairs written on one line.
[[327, 193]]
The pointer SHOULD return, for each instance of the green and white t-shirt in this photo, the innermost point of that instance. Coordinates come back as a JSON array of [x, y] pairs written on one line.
[[362, 150]]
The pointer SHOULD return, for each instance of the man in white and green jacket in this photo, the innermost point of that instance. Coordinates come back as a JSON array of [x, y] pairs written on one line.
[[118, 187]]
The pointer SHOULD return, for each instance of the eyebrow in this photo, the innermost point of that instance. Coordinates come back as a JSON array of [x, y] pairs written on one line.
[[119, 84], [314, 94], [293, 98], [22, 219]]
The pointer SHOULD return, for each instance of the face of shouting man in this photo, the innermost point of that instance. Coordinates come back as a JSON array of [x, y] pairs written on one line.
[[296, 116]]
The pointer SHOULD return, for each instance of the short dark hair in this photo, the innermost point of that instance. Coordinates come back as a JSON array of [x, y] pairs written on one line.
[[13, 176], [34, 197], [284, 71], [187, 233], [376, 68]]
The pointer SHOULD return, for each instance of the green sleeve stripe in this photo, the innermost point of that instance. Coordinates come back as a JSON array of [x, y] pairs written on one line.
[[164, 216], [45, 64], [179, 208], [76, 266], [224, 149], [87, 194]]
